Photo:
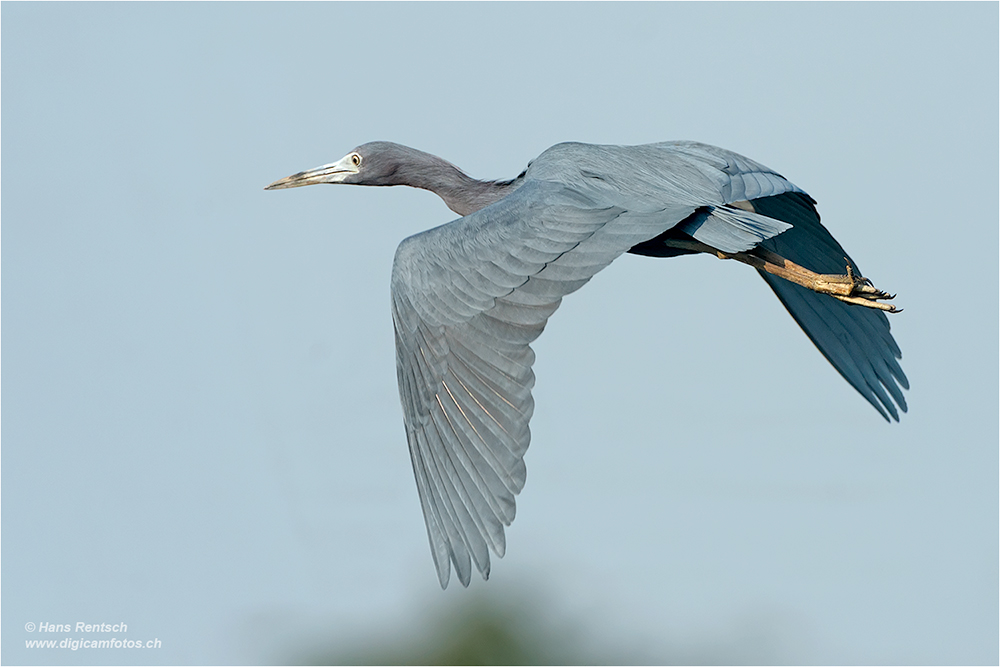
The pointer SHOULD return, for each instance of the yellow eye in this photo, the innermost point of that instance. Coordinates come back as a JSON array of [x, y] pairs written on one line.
[[356, 159]]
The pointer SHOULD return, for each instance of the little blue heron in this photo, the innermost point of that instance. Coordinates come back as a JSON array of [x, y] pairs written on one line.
[[470, 296]]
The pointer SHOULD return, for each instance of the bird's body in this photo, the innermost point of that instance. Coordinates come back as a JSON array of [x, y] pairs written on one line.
[[469, 296]]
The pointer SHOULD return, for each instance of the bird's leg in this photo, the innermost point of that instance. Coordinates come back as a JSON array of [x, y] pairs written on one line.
[[848, 287]]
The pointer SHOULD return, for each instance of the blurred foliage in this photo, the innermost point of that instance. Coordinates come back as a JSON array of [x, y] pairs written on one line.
[[478, 631], [493, 628]]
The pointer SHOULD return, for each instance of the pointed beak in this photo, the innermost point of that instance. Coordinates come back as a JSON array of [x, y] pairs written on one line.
[[335, 172]]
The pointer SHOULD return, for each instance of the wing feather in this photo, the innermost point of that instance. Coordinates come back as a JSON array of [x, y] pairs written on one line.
[[475, 475], [455, 486], [441, 504], [437, 532]]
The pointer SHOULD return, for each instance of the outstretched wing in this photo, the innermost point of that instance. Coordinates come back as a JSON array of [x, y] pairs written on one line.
[[854, 339], [469, 297], [467, 300]]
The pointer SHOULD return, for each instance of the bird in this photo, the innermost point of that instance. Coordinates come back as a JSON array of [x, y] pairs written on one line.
[[470, 296]]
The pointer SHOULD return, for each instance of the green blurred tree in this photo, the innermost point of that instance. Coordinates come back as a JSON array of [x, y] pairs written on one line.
[[479, 631]]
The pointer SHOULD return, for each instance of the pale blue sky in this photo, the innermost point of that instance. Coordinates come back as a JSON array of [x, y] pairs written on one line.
[[201, 434]]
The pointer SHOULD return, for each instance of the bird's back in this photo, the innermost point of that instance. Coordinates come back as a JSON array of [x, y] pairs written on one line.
[[647, 176]]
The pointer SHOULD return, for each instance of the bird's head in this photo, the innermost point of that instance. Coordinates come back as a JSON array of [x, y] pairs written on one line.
[[375, 163]]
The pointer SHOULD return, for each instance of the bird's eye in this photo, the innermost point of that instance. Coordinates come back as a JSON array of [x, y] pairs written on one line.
[[356, 159]]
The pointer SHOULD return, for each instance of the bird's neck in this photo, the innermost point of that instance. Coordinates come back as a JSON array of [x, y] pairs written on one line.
[[461, 193]]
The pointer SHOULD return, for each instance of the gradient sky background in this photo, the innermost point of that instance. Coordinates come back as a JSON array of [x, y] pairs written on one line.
[[201, 430]]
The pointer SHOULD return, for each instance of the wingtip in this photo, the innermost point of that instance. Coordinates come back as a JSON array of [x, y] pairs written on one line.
[[443, 572]]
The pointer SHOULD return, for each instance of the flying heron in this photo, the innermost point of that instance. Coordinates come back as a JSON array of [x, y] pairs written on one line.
[[469, 296]]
